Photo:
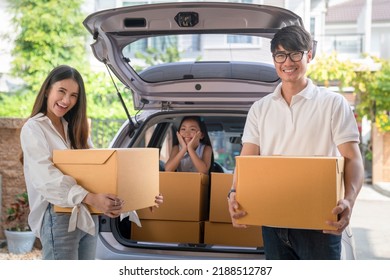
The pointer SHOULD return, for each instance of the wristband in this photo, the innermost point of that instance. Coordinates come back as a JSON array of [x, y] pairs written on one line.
[[231, 191]]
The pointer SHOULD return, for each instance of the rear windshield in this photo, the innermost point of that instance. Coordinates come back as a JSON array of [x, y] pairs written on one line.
[[174, 57]]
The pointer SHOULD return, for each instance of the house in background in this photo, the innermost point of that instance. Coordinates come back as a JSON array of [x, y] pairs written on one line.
[[358, 26]]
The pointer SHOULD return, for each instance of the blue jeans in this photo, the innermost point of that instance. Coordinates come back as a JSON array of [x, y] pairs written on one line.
[[300, 244], [59, 244]]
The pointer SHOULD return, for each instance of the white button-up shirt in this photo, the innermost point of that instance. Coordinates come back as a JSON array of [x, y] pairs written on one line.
[[45, 183]]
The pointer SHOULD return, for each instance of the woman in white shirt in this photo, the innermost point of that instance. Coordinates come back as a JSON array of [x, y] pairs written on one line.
[[59, 121]]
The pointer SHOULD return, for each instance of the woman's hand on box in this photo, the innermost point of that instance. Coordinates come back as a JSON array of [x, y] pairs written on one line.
[[109, 204], [159, 200]]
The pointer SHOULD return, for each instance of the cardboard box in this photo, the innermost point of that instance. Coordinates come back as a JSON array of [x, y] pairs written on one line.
[[185, 197], [224, 234], [220, 185], [168, 231], [289, 192], [132, 174]]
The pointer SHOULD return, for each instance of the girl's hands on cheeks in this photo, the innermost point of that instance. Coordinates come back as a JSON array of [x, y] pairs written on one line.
[[182, 143], [194, 143]]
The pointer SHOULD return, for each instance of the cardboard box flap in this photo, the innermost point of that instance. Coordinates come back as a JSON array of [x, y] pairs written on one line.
[[91, 157]]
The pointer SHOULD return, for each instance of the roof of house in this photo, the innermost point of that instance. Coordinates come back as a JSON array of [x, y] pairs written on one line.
[[349, 11]]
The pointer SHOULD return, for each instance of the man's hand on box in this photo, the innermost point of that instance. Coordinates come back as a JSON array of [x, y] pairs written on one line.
[[343, 210], [234, 210], [159, 200]]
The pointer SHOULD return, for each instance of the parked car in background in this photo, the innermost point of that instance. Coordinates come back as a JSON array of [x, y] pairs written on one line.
[[180, 59]]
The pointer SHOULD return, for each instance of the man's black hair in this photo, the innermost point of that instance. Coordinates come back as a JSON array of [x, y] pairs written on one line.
[[292, 38]]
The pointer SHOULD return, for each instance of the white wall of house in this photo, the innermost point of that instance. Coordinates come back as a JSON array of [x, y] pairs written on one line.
[[380, 40], [376, 32]]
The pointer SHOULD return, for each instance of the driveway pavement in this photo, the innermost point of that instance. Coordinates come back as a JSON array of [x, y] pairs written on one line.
[[370, 222]]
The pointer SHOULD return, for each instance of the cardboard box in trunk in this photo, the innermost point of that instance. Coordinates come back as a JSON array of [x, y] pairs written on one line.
[[289, 192], [221, 183], [185, 197], [225, 234], [168, 231], [132, 174]]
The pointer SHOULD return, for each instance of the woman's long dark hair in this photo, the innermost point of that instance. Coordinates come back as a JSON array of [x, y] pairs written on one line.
[[78, 128]]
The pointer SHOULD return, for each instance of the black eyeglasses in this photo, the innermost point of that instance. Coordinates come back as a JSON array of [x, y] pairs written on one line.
[[294, 56]]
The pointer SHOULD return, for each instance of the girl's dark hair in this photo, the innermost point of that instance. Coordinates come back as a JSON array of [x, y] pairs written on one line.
[[292, 38], [78, 128], [206, 138]]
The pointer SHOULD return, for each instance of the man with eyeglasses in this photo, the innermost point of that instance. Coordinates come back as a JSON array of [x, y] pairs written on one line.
[[302, 119]]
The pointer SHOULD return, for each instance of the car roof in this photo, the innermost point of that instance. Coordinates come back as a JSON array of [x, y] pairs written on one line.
[[189, 83]]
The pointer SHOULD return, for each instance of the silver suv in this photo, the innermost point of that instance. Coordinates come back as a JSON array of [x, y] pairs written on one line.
[[178, 59]]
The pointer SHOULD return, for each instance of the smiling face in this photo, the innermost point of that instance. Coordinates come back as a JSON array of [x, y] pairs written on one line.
[[290, 71], [188, 129], [295, 42], [61, 98]]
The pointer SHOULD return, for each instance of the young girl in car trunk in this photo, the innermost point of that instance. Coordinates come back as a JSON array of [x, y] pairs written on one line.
[[191, 151]]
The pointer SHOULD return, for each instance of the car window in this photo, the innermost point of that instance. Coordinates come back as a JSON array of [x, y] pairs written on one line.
[[224, 132], [147, 53], [159, 136], [166, 146], [226, 147]]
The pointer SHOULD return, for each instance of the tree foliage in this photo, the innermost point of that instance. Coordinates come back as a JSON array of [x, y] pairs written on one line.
[[50, 33], [371, 87], [328, 70]]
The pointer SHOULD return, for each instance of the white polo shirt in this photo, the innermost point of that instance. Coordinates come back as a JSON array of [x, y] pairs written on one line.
[[315, 123]]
